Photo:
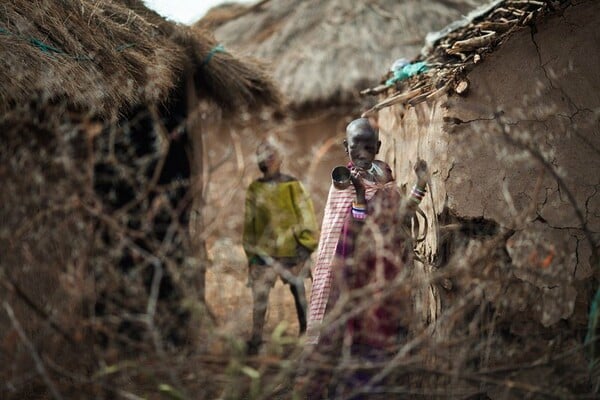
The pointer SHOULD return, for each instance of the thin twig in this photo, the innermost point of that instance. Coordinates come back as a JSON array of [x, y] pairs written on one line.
[[12, 286], [39, 365]]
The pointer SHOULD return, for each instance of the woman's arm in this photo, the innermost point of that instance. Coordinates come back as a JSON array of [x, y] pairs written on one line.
[[359, 205], [420, 188], [306, 230]]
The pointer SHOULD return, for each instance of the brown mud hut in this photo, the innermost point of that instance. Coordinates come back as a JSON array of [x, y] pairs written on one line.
[[507, 115], [102, 111]]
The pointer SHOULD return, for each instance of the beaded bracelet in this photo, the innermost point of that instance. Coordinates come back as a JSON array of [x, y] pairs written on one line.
[[359, 206], [417, 194], [359, 211], [359, 215]]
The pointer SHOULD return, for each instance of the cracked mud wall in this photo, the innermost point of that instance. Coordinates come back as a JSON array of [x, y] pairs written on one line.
[[522, 150]]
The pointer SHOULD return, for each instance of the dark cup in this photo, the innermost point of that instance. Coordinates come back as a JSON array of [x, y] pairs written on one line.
[[341, 177]]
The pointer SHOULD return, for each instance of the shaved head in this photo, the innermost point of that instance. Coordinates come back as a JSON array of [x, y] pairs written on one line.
[[361, 126], [362, 143]]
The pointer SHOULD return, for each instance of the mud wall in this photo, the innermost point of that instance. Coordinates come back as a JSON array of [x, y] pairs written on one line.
[[519, 153]]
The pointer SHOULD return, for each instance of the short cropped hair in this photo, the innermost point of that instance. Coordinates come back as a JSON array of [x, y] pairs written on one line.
[[362, 124], [266, 147]]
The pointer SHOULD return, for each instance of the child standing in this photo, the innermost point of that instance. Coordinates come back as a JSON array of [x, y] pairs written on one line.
[[368, 175], [280, 233], [364, 245]]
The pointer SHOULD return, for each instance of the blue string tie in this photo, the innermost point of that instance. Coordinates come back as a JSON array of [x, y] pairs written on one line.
[[217, 49]]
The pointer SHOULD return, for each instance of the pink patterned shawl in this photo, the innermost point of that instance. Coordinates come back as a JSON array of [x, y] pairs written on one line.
[[337, 208]]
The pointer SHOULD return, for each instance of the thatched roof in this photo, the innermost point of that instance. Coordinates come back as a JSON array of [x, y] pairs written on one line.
[[106, 54], [324, 51], [455, 50]]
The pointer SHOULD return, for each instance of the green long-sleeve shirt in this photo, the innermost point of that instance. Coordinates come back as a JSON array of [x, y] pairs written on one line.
[[279, 217]]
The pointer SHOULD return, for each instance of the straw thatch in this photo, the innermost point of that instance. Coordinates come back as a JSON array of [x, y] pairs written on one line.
[[104, 55], [324, 51], [453, 51]]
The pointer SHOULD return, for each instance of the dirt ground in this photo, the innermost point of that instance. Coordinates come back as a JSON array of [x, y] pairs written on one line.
[[230, 299]]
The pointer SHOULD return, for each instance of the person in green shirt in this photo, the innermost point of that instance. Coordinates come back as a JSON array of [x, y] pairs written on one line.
[[280, 233]]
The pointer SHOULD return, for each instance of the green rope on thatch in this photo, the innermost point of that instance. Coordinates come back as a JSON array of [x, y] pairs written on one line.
[[45, 47], [50, 50], [217, 49]]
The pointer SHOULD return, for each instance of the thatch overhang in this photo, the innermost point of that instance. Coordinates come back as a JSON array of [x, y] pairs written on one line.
[[455, 50], [323, 52], [104, 56]]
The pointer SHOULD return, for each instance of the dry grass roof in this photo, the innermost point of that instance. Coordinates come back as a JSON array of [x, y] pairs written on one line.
[[452, 52], [324, 51], [105, 55]]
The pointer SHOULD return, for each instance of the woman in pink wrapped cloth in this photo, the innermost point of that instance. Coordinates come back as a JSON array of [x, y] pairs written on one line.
[[364, 246], [367, 175]]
